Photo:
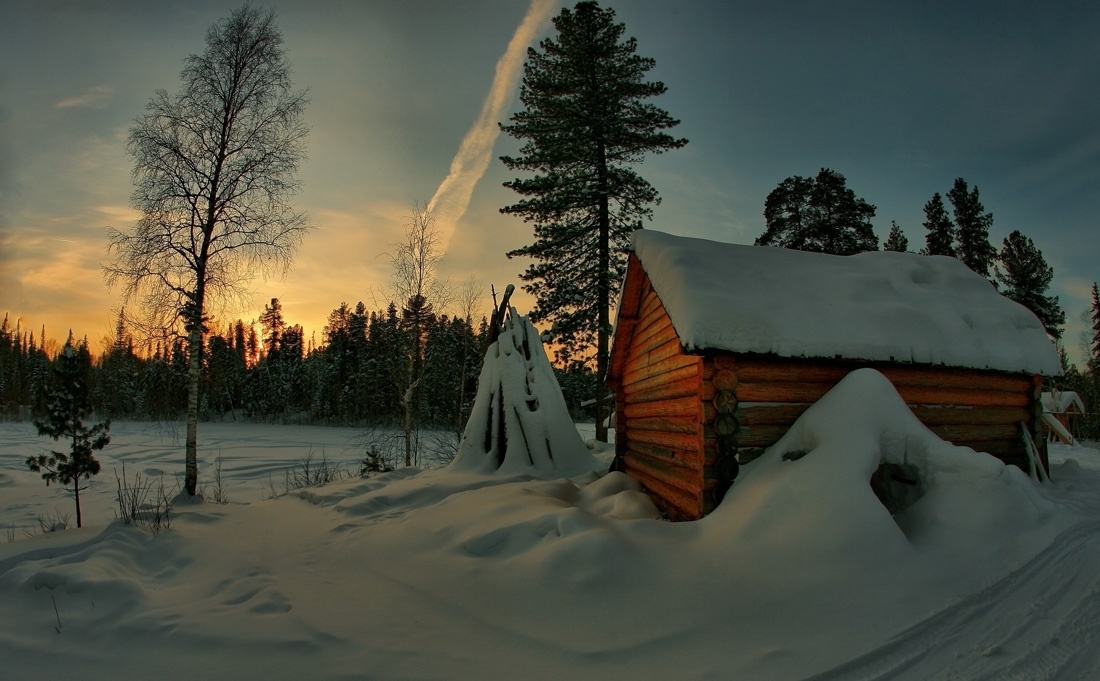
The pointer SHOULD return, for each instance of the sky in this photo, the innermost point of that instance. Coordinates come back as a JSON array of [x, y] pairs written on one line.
[[901, 98]]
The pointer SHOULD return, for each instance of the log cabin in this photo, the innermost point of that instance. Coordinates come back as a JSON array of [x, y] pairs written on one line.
[[718, 348]]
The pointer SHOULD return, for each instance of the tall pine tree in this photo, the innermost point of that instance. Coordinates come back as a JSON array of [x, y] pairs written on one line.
[[585, 122], [940, 239], [896, 240], [972, 225], [1094, 333], [1025, 277]]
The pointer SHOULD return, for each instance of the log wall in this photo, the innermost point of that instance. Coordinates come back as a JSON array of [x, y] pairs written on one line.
[[659, 413], [978, 409]]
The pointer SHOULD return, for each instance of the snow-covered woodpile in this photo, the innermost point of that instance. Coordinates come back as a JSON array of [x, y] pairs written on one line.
[[719, 348]]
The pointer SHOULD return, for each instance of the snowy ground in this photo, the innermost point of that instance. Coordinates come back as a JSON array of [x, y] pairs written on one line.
[[799, 574]]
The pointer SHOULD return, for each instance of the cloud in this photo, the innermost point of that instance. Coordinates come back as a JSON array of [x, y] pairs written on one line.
[[452, 198], [93, 98]]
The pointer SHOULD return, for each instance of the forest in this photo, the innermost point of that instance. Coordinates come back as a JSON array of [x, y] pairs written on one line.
[[267, 371]]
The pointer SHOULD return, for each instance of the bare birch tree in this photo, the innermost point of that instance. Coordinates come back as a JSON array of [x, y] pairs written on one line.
[[215, 168], [419, 292]]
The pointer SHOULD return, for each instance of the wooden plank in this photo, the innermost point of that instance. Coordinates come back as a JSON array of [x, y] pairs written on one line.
[[682, 388], [753, 370], [943, 415], [679, 442], [675, 407], [651, 303], [676, 503], [671, 424], [760, 415], [651, 339], [972, 398], [672, 368], [750, 436], [963, 434], [638, 359], [652, 312], [690, 371], [691, 460], [811, 392]]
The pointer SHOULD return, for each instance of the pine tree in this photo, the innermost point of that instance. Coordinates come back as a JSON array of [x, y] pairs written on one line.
[[896, 240], [972, 225], [1026, 276], [585, 122], [940, 239], [69, 405], [821, 215], [1094, 337]]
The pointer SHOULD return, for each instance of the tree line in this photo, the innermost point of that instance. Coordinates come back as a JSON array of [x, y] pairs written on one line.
[[267, 371], [823, 215]]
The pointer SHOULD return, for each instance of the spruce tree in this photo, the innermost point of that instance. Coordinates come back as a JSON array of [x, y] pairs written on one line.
[[972, 225], [1094, 336], [940, 239], [1025, 277], [896, 240], [69, 405], [585, 122], [821, 215]]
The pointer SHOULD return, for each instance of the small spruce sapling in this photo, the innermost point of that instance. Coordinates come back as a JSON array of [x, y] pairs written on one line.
[[69, 405]]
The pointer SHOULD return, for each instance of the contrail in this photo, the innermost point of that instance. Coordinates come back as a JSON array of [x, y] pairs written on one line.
[[451, 200]]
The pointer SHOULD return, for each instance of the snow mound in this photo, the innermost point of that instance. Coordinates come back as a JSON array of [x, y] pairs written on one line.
[[519, 422], [878, 306], [859, 453]]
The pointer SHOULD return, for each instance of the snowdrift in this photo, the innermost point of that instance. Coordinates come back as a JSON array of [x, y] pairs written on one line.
[[471, 574]]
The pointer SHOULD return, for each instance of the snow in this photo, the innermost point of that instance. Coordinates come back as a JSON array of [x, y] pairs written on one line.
[[1060, 401], [462, 574], [879, 306], [518, 379]]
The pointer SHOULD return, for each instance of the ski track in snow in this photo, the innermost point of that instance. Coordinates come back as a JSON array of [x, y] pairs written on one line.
[[1040, 623]]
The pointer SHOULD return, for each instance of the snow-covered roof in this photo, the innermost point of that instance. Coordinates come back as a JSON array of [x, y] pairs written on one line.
[[1059, 402], [880, 306]]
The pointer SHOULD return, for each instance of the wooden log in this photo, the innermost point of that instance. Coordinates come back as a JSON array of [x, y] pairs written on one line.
[[637, 359], [826, 371], [723, 361], [725, 402], [689, 460], [751, 436], [682, 388], [670, 424], [651, 339], [759, 415], [651, 313], [812, 392], [972, 398], [675, 503], [676, 483], [651, 302], [943, 415], [725, 425], [675, 407], [725, 379], [666, 369], [679, 442], [690, 371], [963, 434]]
